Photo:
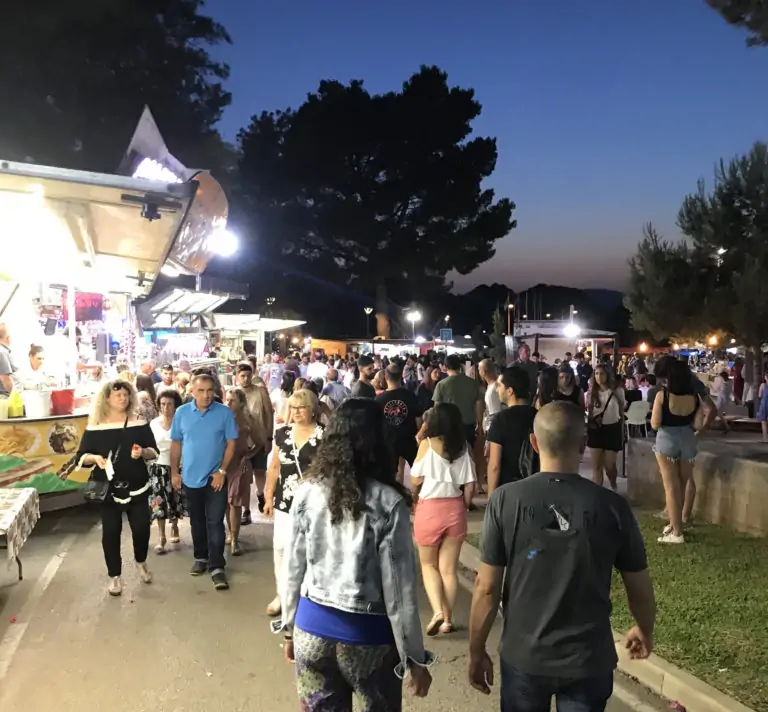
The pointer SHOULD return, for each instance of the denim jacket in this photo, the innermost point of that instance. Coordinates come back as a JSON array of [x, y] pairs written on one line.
[[363, 566]]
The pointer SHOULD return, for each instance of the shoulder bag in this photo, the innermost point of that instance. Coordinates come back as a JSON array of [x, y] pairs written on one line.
[[595, 422], [96, 490]]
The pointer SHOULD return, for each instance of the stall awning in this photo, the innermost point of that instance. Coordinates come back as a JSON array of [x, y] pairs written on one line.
[[249, 323], [162, 309], [101, 232]]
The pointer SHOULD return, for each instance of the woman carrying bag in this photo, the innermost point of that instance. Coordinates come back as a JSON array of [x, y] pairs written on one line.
[[117, 445]]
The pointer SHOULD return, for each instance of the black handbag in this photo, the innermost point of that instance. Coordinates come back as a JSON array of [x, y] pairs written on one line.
[[595, 422], [96, 490]]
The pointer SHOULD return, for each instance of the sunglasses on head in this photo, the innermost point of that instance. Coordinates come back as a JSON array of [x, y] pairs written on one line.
[[117, 386]]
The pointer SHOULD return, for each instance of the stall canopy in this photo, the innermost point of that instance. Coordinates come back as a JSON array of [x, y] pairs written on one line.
[[180, 306], [246, 323], [100, 232]]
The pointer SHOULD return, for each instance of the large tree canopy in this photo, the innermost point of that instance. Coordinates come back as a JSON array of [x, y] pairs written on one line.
[[751, 15], [375, 192], [715, 281], [76, 76]]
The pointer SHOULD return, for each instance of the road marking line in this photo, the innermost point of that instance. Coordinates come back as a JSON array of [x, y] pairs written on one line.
[[12, 639]]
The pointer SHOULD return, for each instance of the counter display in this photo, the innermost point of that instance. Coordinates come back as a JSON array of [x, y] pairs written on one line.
[[34, 450]]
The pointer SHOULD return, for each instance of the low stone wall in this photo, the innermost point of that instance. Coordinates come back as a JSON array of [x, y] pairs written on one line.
[[732, 491]]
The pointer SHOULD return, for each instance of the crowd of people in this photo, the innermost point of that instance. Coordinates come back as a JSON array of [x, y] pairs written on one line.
[[327, 449]]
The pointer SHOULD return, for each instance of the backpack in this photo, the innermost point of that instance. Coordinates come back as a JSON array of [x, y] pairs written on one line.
[[528, 462]]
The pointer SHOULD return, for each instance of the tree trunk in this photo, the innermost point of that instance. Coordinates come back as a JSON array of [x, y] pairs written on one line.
[[382, 316], [753, 369]]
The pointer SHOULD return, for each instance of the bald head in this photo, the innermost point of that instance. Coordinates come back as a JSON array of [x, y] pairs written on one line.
[[332, 376], [560, 432]]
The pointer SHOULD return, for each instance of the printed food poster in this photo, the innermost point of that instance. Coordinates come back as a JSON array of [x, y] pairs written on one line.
[[35, 453]]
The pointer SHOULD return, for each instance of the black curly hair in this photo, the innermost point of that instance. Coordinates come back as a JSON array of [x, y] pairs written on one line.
[[354, 450]]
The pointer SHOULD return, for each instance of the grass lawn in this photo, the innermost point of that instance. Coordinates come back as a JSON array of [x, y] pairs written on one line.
[[712, 600]]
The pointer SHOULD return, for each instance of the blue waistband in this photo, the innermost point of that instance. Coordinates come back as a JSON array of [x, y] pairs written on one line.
[[343, 626]]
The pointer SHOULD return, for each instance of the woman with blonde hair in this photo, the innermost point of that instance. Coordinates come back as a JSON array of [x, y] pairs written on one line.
[[117, 446], [251, 437], [294, 449]]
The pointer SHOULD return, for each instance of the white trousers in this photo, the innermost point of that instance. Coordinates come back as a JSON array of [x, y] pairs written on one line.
[[281, 531]]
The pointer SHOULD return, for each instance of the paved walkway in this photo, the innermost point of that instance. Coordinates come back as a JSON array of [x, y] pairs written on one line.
[[173, 646]]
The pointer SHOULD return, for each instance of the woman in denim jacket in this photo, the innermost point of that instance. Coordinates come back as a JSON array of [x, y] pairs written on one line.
[[350, 613]]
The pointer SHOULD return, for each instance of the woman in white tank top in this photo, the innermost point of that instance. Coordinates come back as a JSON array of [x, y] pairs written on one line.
[[443, 466]]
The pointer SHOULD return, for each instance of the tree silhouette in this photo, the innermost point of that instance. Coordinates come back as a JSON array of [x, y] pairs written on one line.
[[375, 192], [751, 15], [77, 75]]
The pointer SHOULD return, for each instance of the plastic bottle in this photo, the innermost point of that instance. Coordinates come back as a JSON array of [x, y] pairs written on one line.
[[15, 405]]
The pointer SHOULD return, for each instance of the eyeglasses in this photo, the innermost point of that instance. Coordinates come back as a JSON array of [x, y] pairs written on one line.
[[299, 407]]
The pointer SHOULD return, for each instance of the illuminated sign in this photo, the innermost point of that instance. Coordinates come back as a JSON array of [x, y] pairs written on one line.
[[149, 169]]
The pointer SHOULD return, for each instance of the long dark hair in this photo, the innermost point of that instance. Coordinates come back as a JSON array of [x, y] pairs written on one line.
[[445, 422], [144, 383], [288, 382], [547, 385], [354, 450], [679, 379]]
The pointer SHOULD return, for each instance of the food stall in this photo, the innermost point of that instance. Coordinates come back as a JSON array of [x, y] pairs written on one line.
[[76, 233], [233, 330]]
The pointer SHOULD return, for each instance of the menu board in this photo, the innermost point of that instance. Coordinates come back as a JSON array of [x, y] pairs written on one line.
[[89, 306]]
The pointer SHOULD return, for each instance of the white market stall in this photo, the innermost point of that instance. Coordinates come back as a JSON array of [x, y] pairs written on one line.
[[235, 329], [73, 233]]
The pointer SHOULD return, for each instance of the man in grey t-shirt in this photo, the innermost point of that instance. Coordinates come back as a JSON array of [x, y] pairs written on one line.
[[550, 544], [8, 370]]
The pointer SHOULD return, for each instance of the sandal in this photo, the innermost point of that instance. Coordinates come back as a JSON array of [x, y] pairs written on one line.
[[160, 548], [446, 628], [175, 538], [434, 624], [228, 540]]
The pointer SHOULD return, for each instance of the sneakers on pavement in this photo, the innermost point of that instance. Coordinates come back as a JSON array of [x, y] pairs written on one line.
[[219, 579], [115, 587], [198, 568]]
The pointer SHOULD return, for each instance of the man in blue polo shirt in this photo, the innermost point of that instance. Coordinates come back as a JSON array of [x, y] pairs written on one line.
[[203, 436]]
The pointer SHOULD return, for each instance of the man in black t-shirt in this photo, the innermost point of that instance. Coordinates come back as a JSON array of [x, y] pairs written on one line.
[[550, 544], [362, 387], [509, 428], [401, 414]]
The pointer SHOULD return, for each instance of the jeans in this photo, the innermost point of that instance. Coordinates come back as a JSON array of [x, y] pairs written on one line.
[[521, 692], [112, 527], [207, 508]]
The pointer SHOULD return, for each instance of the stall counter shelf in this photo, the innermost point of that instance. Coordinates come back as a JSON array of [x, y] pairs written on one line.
[[34, 450]]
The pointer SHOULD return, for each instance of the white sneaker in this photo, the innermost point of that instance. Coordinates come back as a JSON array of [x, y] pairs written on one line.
[[115, 587], [144, 573], [671, 539]]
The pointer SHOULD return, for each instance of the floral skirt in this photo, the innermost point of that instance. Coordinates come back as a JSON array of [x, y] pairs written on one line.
[[164, 501]]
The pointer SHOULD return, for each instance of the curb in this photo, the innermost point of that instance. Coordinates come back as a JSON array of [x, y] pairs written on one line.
[[655, 673]]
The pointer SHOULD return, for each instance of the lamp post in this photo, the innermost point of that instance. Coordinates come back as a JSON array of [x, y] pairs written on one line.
[[413, 317], [368, 311]]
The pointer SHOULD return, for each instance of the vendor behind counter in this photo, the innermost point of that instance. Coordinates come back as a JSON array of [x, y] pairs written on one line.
[[9, 371]]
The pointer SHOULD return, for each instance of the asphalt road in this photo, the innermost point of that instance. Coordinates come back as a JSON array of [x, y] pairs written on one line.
[[176, 645]]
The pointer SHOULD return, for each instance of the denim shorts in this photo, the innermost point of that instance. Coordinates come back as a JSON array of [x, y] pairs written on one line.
[[676, 443]]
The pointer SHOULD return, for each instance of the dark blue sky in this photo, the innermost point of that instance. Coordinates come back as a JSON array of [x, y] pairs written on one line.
[[606, 111]]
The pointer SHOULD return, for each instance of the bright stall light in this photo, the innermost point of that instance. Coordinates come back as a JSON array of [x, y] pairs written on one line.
[[295, 340], [467, 336], [643, 347], [223, 242], [721, 251], [169, 271], [572, 330], [732, 351], [712, 341], [675, 347], [419, 340], [149, 169]]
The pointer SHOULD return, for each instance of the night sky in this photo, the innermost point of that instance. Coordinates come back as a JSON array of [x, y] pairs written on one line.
[[606, 112]]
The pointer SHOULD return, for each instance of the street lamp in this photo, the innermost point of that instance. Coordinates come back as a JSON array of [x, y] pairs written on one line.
[[447, 318], [548, 315], [413, 317], [572, 330], [368, 311]]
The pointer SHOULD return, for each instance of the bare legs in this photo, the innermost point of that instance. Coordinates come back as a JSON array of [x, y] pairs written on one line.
[[438, 569], [604, 465], [233, 517], [675, 476], [160, 548]]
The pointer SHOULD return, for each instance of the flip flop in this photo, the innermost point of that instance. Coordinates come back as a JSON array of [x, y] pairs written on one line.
[[434, 625]]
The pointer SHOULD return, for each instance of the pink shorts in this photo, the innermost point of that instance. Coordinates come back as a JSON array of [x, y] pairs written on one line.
[[438, 518]]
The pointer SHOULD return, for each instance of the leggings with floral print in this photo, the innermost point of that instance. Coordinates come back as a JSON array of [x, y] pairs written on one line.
[[329, 674]]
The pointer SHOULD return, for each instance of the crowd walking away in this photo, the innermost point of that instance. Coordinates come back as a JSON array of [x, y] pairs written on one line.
[[340, 466]]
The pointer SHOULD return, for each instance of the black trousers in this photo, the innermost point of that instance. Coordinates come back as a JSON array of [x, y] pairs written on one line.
[[112, 527]]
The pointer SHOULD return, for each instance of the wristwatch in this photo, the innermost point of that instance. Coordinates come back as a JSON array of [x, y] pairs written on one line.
[[222, 471]]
